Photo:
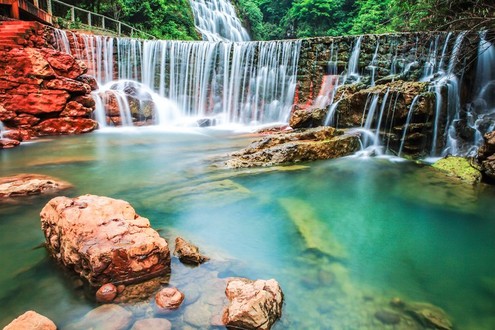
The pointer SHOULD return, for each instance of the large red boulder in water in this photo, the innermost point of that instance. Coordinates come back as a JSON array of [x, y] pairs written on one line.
[[103, 240]]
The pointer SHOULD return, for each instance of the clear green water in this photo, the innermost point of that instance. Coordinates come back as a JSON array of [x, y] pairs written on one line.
[[403, 230]]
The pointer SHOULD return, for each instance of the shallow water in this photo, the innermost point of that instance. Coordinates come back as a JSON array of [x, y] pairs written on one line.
[[343, 237]]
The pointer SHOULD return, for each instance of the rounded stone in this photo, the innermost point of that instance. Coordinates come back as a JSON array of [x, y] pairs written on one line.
[[169, 299], [387, 317], [106, 293], [155, 323]]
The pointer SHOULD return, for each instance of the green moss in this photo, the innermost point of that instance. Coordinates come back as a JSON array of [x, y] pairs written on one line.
[[458, 167], [313, 230]]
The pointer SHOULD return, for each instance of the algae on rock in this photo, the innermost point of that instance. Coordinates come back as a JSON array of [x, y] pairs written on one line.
[[458, 167], [312, 229]]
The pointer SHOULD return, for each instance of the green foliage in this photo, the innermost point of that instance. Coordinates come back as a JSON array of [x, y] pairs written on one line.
[[306, 18], [164, 19]]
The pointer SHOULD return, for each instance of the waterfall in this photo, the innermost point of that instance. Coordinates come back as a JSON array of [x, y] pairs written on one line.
[[244, 83], [481, 112], [406, 126], [372, 66], [2, 128], [353, 65], [217, 21]]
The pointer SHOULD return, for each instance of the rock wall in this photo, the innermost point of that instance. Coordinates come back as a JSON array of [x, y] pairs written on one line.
[[398, 69], [42, 91]]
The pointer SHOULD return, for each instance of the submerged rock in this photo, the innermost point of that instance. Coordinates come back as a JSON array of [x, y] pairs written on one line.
[[168, 299], [108, 317], [31, 321], [458, 167], [253, 304], [314, 231], [387, 317], [30, 184], [188, 253], [151, 324], [312, 144], [103, 240], [429, 316]]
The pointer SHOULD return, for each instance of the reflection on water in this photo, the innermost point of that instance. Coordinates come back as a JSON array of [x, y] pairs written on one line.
[[343, 237]]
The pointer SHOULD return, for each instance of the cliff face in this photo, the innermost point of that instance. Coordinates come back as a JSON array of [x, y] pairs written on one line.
[[42, 91]]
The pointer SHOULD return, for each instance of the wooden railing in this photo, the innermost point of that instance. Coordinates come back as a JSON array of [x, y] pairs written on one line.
[[76, 17]]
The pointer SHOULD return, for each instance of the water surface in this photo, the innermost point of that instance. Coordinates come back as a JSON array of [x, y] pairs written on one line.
[[343, 237]]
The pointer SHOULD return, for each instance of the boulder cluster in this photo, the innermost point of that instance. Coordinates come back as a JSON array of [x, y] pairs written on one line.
[[121, 259], [43, 92]]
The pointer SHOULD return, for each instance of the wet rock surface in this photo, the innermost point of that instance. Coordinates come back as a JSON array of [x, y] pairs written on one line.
[[106, 293], [486, 157], [253, 304], [429, 316], [307, 118], [108, 317], [31, 321], [168, 299], [103, 240], [152, 324], [306, 145], [30, 184], [188, 253]]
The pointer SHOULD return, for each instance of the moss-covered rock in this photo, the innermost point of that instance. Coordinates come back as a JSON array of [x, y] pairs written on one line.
[[315, 233], [459, 167]]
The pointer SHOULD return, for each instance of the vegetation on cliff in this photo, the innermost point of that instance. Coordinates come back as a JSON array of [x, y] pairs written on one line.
[[165, 19], [283, 19], [268, 19]]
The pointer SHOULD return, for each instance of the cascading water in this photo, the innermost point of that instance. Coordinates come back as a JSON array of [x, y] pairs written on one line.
[[481, 112], [217, 21], [436, 61], [353, 65], [244, 83]]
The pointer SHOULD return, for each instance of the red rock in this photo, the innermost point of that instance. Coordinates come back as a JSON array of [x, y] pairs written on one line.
[[106, 293], [75, 109], [70, 85], [90, 80], [65, 125], [30, 184], [19, 134], [253, 304], [37, 103], [25, 120], [169, 299], [150, 324], [31, 321], [86, 100], [103, 240], [62, 63], [6, 114], [188, 253], [25, 62], [8, 143], [110, 103]]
